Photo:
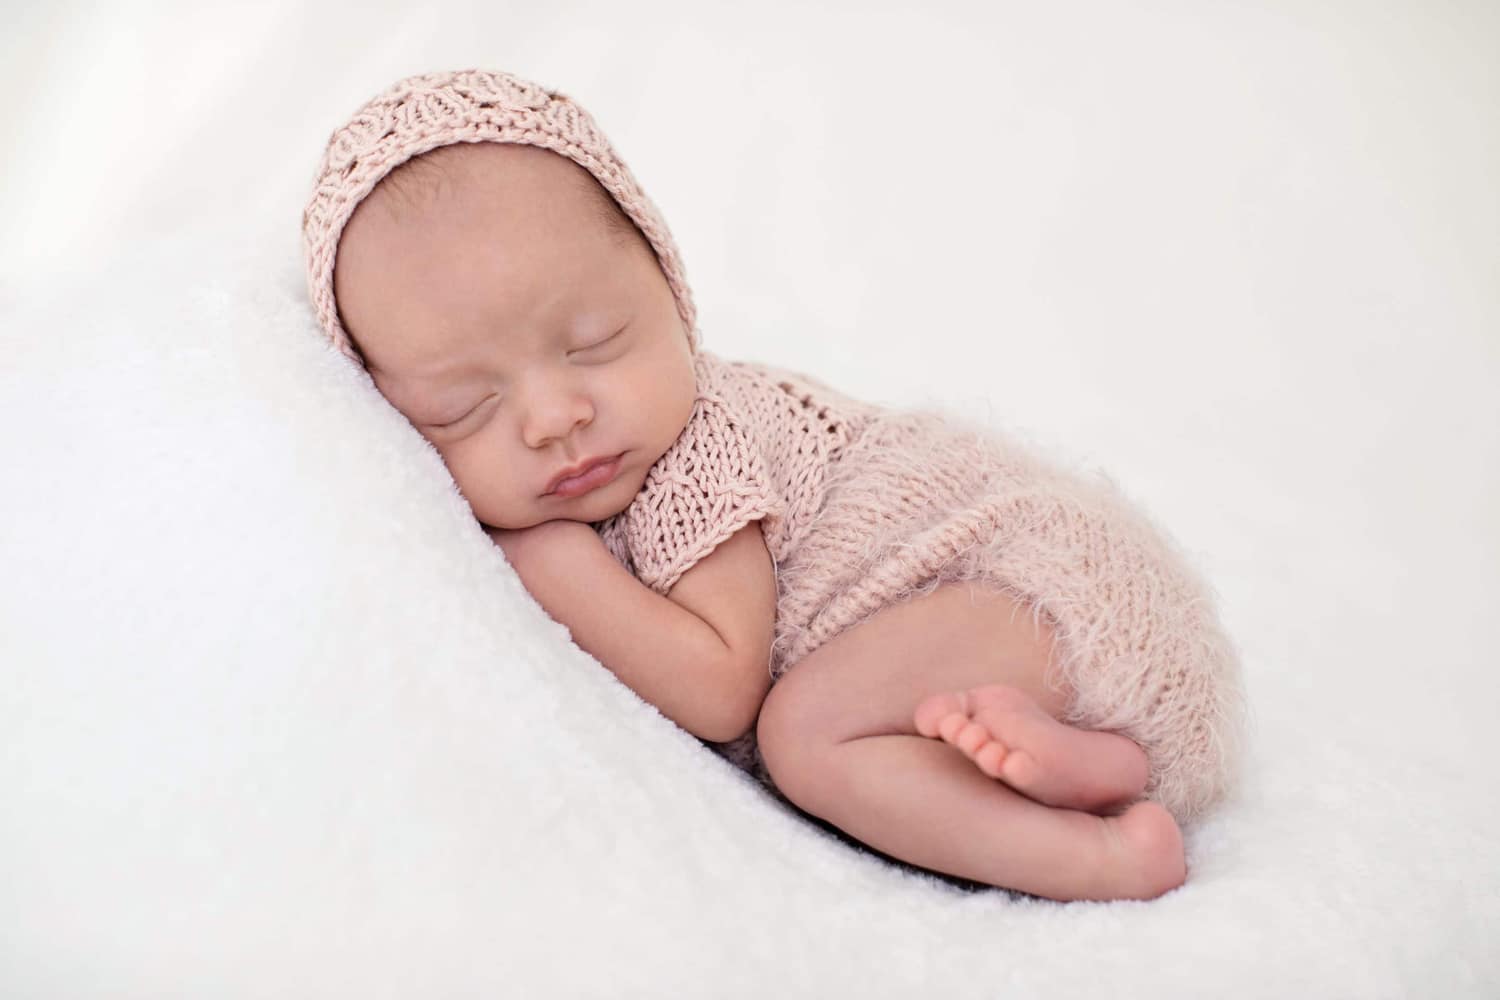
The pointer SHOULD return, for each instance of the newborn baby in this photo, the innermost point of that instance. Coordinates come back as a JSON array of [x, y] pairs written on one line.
[[907, 626]]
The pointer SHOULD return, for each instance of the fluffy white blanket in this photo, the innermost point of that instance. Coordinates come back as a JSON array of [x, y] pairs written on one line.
[[279, 719]]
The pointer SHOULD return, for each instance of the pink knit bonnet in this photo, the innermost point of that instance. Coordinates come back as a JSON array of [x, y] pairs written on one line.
[[422, 112]]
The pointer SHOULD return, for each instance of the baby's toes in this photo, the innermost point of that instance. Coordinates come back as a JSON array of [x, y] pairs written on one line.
[[969, 736], [992, 757], [947, 710], [1019, 769], [946, 716]]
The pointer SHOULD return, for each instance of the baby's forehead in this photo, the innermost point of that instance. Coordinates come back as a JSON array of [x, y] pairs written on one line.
[[472, 170], [466, 170]]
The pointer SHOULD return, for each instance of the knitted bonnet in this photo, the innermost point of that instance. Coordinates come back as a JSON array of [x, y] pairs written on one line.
[[423, 112]]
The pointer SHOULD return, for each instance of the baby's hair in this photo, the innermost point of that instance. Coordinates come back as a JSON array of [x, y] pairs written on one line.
[[416, 182]]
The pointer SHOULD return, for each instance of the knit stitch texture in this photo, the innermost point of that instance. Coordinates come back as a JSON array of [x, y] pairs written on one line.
[[862, 507]]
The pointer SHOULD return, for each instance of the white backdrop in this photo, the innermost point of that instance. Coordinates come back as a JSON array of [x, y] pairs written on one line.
[[1243, 256]]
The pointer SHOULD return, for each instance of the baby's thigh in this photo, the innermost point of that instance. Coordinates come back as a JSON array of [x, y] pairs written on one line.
[[869, 679]]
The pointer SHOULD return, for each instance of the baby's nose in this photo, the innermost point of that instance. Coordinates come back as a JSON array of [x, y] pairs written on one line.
[[554, 416]]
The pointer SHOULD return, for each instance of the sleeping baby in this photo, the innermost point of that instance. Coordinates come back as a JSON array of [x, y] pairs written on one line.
[[903, 624]]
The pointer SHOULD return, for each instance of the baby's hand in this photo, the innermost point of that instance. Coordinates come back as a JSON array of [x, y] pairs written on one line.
[[522, 546], [556, 561]]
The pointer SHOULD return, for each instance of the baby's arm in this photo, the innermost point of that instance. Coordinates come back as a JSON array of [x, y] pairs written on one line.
[[699, 655]]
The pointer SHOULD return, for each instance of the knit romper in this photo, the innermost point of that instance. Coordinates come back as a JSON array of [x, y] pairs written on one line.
[[863, 507]]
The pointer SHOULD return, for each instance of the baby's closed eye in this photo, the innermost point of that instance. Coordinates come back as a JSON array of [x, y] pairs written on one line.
[[615, 339]]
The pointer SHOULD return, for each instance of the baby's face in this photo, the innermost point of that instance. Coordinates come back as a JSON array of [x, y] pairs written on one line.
[[517, 334]]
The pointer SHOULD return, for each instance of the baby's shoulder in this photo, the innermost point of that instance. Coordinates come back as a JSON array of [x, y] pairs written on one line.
[[780, 401]]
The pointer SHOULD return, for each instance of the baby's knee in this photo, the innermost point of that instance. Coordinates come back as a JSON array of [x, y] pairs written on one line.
[[787, 738]]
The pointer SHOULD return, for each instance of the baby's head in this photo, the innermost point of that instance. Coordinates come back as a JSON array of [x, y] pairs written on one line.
[[504, 302]]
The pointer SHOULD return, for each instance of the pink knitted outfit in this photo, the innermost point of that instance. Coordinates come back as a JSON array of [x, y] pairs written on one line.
[[861, 506]]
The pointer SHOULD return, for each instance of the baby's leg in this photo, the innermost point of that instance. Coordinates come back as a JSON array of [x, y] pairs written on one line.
[[838, 734], [919, 800]]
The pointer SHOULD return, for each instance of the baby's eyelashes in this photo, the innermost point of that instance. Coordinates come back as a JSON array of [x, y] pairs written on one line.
[[607, 340], [461, 417]]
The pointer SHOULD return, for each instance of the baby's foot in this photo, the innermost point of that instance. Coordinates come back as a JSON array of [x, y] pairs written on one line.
[[1142, 856], [1010, 737]]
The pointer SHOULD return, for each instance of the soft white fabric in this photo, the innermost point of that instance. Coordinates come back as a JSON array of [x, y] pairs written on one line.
[[277, 719]]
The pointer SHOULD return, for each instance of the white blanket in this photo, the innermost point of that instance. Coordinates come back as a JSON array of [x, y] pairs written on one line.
[[277, 719]]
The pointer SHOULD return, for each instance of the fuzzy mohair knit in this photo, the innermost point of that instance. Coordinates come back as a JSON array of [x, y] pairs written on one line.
[[861, 506]]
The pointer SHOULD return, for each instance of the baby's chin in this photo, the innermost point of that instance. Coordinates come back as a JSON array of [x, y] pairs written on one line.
[[606, 501]]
